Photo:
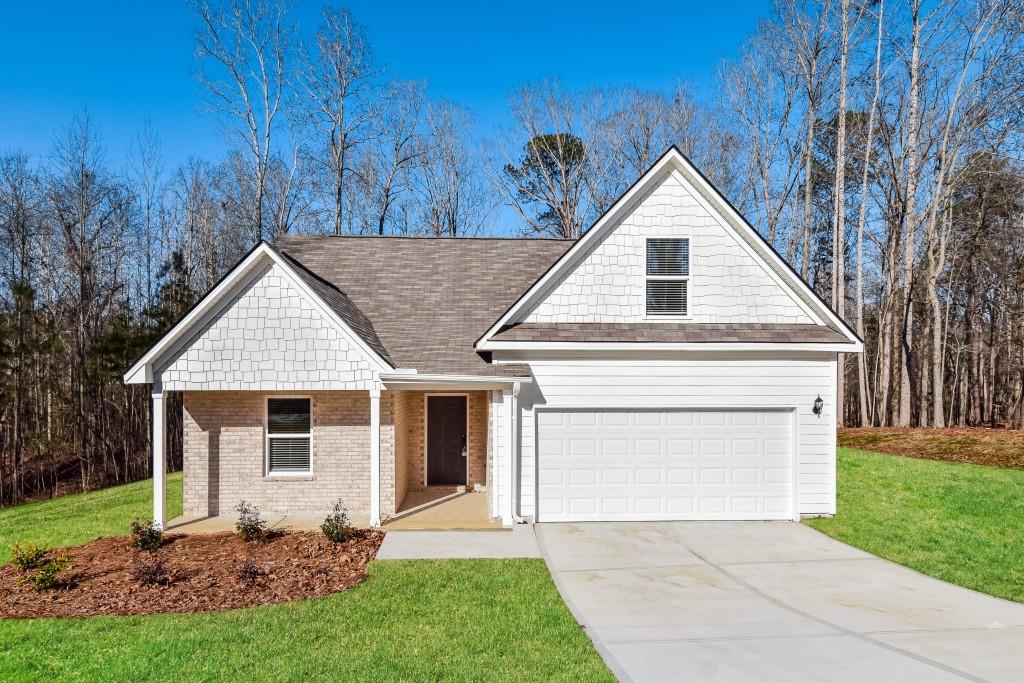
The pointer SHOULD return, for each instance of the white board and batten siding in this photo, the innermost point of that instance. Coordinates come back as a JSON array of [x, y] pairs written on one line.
[[710, 396]]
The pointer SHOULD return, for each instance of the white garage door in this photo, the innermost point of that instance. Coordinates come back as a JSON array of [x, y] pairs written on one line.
[[664, 465]]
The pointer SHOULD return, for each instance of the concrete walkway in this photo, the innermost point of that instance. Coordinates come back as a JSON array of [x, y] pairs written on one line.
[[518, 541], [771, 601]]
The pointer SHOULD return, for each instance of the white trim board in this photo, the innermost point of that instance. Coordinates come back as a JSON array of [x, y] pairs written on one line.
[[673, 162], [211, 304]]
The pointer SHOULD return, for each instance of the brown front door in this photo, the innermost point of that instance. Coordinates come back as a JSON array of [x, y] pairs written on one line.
[[446, 440]]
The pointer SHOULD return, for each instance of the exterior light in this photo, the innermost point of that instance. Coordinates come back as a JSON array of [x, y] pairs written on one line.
[[818, 405]]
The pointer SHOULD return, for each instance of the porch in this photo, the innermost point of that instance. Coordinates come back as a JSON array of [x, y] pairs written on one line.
[[428, 454]]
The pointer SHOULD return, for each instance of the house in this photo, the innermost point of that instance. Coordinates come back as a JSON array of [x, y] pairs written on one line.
[[667, 365]]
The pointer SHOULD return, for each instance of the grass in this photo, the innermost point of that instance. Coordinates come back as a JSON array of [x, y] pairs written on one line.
[[82, 517], [460, 620], [959, 523]]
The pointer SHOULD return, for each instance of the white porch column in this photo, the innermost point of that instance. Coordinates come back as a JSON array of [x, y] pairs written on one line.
[[375, 456], [159, 442], [511, 399]]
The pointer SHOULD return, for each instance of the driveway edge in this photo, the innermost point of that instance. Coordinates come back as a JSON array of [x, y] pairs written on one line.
[[602, 649]]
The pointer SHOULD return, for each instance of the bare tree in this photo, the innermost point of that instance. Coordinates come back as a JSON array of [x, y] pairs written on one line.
[[862, 362], [90, 211], [147, 168], [806, 31], [452, 197], [547, 185], [244, 49], [384, 172], [340, 79], [760, 95]]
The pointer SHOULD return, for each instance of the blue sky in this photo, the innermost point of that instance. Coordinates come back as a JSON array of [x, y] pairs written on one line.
[[129, 62]]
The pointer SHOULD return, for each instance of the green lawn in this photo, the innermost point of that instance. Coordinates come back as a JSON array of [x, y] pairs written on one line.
[[960, 523], [469, 620], [81, 517]]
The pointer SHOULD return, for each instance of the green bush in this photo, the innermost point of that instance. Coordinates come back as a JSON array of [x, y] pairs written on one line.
[[250, 527], [336, 526], [46, 577], [27, 556], [147, 536]]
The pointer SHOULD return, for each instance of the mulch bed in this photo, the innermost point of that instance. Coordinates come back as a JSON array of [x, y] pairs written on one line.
[[974, 445], [204, 573]]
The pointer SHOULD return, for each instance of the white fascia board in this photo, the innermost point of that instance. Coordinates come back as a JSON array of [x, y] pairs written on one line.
[[624, 203], [751, 249], [439, 382], [329, 313], [142, 371], [853, 347], [712, 200]]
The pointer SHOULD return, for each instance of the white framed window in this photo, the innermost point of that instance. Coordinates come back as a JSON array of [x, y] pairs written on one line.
[[289, 445], [668, 276]]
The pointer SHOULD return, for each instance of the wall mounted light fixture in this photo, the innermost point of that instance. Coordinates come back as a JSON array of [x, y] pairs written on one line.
[[819, 405]]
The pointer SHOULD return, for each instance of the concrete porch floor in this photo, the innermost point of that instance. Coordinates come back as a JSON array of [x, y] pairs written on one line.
[[443, 508], [435, 508], [184, 524]]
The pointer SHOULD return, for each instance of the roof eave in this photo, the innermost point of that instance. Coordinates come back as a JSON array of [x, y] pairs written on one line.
[[832, 347]]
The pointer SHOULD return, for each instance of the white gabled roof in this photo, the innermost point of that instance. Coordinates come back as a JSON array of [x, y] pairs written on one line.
[[262, 254], [674, 161]]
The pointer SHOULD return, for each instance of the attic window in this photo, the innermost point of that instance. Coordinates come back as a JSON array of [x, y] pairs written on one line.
[[668, 276], [289, 435]]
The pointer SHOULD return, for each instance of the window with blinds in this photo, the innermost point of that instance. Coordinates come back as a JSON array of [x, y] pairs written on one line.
[[289, 435], [668, 276]]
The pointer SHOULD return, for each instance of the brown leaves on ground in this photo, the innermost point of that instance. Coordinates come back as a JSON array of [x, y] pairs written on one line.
[[205, 573], [975, 445]]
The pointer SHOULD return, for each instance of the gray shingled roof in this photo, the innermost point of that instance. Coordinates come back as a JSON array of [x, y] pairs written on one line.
[[424, 301], [343, 306], [668, 332]]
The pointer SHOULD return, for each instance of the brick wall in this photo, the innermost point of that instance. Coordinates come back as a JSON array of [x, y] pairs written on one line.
[[478, 439], [224, 455], [411, 439], [726, 284], [402, 406]]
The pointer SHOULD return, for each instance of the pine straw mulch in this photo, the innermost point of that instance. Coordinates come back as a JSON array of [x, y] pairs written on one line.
[[204, 573], [975, 445]]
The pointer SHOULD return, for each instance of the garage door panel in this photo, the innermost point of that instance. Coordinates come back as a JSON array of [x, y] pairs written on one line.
[[609, 464]]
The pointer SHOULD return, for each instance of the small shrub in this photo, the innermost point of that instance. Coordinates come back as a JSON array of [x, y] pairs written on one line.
[[27, 556], [146, 536], [151, 572], [336, 526], [249, 572], [46, 577], [250, 527]]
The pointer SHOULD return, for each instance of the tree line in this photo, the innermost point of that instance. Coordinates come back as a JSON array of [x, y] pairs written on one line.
[[874, 143]]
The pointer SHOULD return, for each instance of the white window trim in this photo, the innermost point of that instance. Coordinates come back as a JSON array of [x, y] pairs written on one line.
[[267, 436], [668, 317]]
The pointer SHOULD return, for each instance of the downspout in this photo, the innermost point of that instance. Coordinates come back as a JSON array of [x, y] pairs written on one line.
[[516, 456]]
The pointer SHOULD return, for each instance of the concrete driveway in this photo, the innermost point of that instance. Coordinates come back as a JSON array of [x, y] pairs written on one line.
[[771, 601]]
